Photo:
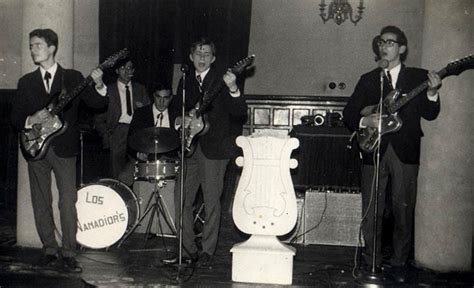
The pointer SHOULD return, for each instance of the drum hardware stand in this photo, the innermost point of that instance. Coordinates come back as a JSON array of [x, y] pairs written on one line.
[[158, 207], [81, 138], [198, 216]]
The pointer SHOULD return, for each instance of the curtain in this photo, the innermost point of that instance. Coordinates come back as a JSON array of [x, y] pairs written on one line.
[[158, 33]]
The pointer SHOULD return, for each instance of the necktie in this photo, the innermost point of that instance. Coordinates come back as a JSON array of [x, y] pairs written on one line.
[[389, 77], [159, 121], [129, 100], [198, 77], [47, 76]]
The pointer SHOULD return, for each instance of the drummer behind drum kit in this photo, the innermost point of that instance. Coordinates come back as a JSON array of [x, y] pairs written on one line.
[[109, 211]]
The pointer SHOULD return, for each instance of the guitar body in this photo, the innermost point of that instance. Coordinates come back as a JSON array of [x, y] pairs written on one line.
[[198, 126], [368, 138], [35, 141]]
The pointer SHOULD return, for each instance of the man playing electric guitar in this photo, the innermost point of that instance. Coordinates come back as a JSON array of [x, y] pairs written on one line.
[[35, 91], [206, 167], [400, 151]]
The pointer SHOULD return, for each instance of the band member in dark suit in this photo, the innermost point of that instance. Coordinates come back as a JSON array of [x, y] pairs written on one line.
[[35, 90], [206, 167], [119, 115], [400, 151], [157, 114]]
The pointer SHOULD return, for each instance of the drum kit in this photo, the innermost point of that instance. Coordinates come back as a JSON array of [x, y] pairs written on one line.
[[108, 211]]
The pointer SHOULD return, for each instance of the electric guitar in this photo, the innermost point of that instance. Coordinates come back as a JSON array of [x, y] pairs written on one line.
[[34, 142], [197, 117], [368, 138]]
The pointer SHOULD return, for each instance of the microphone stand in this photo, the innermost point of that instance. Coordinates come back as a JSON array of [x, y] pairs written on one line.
[[181, 178], [374, 277]]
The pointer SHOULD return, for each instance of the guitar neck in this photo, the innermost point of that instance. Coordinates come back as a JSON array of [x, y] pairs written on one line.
[[413, 93], [74, 93]]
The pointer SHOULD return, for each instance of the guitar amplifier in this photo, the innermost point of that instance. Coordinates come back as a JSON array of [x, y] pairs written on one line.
[[332, 218], [324, 158]]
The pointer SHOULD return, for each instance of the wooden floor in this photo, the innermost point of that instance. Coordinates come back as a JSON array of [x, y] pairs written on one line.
[[137, 264]]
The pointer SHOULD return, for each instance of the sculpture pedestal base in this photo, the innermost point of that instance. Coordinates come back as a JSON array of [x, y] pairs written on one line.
[[262, 259]]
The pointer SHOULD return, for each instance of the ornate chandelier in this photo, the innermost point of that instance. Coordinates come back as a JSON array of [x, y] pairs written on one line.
[[340, 11]]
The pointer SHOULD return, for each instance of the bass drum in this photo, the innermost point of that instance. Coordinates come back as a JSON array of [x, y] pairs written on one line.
[[106, 210]]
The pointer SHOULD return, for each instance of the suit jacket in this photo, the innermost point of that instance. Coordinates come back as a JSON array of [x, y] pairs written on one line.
[[140, 99], [32, 96], [406, 141], [225, 116]]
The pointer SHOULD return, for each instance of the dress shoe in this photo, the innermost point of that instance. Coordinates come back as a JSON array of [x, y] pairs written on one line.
[[71, 265], [175, 260], [49, 260]]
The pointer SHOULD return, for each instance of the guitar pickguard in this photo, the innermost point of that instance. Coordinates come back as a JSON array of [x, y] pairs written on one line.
[[35, 140]]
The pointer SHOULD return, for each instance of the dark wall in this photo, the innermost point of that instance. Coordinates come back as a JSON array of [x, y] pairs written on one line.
[[8, 152]]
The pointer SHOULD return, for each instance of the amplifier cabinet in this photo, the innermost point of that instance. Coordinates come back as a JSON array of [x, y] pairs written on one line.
[[332, 218], [298, 230]]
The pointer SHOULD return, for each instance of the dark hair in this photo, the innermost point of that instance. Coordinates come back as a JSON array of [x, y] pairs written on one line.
[[203, 41], [158, 86], [401, 38], [49, 36], [122, 62]]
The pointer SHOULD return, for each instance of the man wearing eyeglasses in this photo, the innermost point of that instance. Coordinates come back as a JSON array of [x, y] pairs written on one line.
[[399, 151], [124, 98]]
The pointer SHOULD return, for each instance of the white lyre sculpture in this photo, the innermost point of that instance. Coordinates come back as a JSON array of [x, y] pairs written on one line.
[[265, 207]]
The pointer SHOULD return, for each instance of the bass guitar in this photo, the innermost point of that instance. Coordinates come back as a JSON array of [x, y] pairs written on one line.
[[34, 141], [197, 118], [368, 138]]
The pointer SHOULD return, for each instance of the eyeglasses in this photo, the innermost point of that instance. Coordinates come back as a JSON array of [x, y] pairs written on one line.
[[202, 55], [128, 68], [389, 42]]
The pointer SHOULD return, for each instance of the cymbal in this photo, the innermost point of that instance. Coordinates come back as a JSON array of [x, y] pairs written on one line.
[[154, 140]]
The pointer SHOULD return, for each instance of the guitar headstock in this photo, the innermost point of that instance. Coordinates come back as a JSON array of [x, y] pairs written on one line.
[[458, 66], [240, 66], [111, 60]]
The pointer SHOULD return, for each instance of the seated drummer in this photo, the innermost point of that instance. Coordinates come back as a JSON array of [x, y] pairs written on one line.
[[161, 113]]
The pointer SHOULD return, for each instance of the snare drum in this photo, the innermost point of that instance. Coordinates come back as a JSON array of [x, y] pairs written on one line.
[[105, 212], [163, 169]]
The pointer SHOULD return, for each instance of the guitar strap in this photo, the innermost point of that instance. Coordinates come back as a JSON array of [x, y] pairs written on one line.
[[62, 95], [205, 100]]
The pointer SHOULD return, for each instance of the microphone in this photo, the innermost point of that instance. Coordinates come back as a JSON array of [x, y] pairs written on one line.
[[382, 63], [184, 68]]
